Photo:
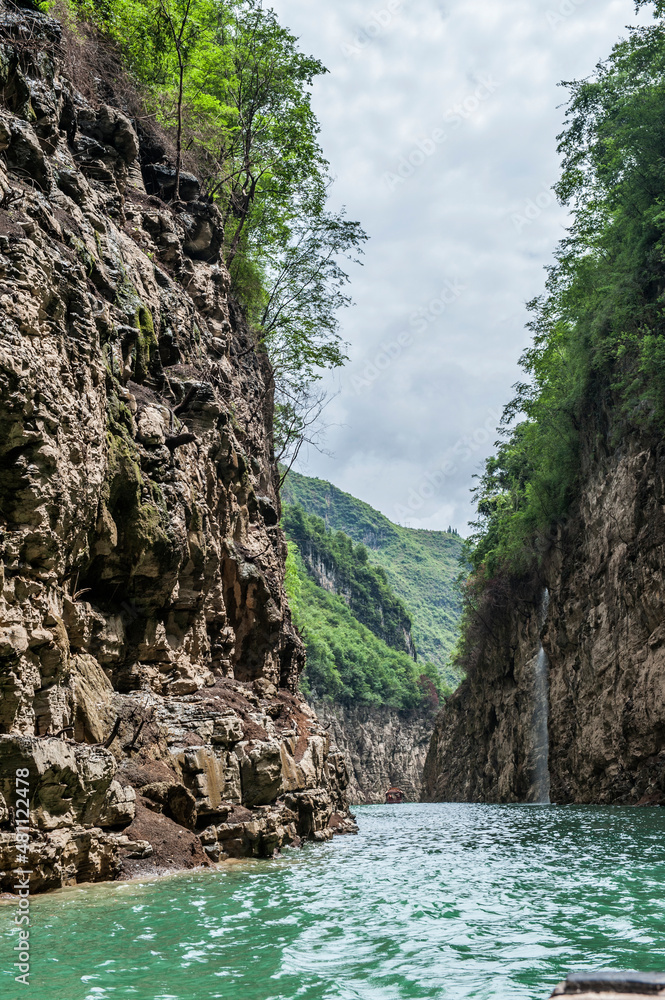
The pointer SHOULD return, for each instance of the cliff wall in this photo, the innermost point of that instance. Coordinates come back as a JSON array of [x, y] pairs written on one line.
[[148, 664], [604, 636], [381, 747]]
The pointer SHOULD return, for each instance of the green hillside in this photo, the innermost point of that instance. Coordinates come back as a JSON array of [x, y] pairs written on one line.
[[421, 566], [339, 566], [346, 662]]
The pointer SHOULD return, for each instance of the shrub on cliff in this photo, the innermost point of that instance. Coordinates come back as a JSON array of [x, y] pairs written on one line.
[[230, 86], [598, 352]]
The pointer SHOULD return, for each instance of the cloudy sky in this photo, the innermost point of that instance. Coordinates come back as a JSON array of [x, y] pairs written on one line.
[[439, 118]]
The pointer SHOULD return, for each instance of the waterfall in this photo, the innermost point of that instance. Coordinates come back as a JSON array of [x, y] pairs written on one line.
[[541, 707]]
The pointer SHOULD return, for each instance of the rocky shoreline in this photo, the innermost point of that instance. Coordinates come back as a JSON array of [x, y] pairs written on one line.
[[148, 664]]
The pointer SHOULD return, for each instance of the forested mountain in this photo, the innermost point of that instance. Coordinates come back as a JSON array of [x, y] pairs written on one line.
[[359, 649], [420, 566], [341, 567]]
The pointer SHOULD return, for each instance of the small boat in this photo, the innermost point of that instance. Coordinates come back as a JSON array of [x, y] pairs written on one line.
[[605, 983], [394, 795]]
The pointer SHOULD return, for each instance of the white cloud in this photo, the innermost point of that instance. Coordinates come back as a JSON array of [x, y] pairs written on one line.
[[456, 218]]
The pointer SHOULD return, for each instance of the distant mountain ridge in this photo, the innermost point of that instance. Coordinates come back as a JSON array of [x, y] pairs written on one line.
[[421, 566]]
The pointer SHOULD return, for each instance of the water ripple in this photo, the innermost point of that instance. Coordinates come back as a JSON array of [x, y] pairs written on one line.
[[429, 902]]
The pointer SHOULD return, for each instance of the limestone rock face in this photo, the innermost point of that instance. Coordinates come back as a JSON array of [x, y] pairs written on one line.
[[381, 747], [148, 664], [63, 857], [68, 783], [605, 640]]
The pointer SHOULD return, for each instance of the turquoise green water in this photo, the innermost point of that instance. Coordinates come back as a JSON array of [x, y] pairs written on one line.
[[429, 901]]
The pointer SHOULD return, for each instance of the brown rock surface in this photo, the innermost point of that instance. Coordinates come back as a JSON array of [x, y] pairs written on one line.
[[605, 639], [143, 619], [381, 747]]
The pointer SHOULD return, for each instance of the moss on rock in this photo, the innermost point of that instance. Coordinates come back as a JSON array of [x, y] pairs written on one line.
[[146, 349]]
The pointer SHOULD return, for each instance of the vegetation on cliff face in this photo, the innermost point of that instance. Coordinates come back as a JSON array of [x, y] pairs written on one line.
[[421, 567], [342, 567], [346, 662], [231, 93], [598, 351]]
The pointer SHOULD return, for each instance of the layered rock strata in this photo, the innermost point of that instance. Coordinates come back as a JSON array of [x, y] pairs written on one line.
[[381, 747], [604, 637], [148, 664]]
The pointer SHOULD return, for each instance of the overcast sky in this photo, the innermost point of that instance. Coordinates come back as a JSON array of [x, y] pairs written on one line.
[[440, 122]]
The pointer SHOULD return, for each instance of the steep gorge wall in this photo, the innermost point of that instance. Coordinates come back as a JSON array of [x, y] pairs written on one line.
[[381, 747], [327, 575], [605, 639], [148, 664]]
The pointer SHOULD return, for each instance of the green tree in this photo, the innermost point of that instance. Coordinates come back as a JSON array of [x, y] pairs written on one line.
[[232, 86], [176, 15], [306, 287], [597, 359]]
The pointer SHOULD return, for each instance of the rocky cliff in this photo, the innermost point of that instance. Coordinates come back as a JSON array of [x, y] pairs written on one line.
[[381, 747], [604, 636], [148, 664]]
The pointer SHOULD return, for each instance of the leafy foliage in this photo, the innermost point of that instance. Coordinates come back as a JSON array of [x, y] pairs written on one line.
[[231, 85], [597, 361], [299, 318], [365, 587], [421, 567], [346, 662]]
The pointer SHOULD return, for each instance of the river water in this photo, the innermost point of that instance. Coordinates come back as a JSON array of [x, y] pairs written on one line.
[[429, 901]]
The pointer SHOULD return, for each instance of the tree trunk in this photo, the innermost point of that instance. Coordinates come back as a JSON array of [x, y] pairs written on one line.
[[178, 158]]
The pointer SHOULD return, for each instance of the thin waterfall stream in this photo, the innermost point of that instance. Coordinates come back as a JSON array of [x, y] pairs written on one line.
[[541, 708]]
